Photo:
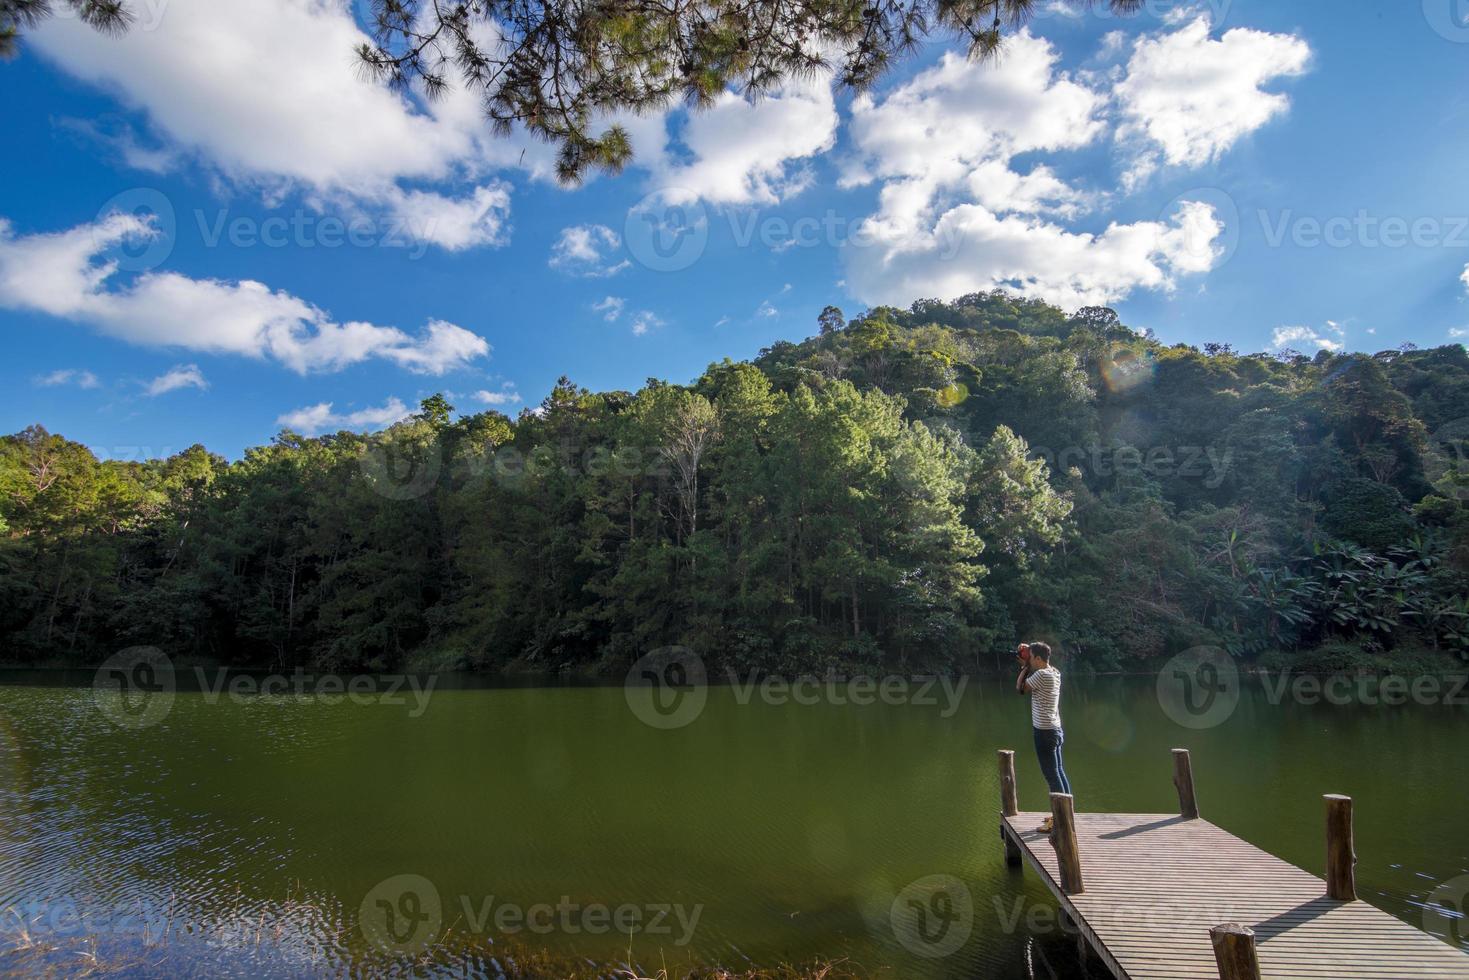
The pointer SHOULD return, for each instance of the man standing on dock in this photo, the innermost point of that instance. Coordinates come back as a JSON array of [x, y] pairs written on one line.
[[1043, 683]]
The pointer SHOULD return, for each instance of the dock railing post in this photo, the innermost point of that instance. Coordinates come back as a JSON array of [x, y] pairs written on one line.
[[1009, 805], [1183, 778], [1341, 855], [1008, 800], [1063, 839], [1234, 951]]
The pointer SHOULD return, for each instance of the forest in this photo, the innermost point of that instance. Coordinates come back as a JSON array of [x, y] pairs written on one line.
[[911, 489]]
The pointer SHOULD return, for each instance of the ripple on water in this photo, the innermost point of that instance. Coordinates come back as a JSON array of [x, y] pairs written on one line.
[[251, 830]]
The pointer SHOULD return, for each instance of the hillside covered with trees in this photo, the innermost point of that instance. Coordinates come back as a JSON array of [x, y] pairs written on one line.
[[912, 489]]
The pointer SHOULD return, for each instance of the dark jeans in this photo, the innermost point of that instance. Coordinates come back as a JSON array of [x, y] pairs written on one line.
[[1048, 742]]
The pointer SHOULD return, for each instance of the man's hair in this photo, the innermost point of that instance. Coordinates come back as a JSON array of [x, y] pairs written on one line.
[[1041, 651]]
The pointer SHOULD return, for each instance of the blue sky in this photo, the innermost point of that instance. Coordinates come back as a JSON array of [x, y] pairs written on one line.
[[1263, 174]]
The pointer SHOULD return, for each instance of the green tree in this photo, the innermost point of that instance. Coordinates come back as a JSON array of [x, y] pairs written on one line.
[[879, 494], [830, 319]]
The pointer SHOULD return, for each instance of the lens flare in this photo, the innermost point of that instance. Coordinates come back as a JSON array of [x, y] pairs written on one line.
[[952, 396], [1125, 369]]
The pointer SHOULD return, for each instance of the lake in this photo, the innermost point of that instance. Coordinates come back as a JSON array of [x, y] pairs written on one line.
[[445, 831]]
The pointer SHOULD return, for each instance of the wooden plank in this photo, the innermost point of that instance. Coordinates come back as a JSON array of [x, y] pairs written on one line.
[[1157, 884]]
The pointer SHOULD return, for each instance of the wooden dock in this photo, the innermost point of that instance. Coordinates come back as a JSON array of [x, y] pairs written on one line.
[[1173, 896]]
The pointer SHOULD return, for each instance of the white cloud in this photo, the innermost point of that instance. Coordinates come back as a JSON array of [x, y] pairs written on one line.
[[767, 309], [65, 274], [266, 94], [1464, 277], [454, 224], [318, 418], [972, 248], [955, 215], [1186, 98], [610, 308], [958, 125], [1112, 43], [643, 321], [1039, 192], [118, 137], [1458, 333], [182, 376], [68, 376], [944, 145], [204, 78], [588, 251], [1061, 8], [1293, 335], [738, 151], [507, 395], [441, 347]]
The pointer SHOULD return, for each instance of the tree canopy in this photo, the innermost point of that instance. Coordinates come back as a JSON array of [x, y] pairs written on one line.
[[911, 488]]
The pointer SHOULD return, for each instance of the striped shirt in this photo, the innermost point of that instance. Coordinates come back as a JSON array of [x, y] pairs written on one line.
[[1045, 698]]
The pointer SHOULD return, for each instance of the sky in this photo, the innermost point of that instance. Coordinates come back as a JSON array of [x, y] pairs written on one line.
[[213, 227]]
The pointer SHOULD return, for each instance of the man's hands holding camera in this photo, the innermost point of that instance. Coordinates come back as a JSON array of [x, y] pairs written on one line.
[[1022, 654]]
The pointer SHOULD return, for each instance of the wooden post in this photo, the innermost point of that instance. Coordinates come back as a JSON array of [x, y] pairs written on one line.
[[1008, 805], [1063, 839], [1069, 924], [1183, 778], [1341, 856], [1234, 951], [1013, 857]]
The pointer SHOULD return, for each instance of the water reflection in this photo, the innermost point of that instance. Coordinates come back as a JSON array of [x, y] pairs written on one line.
[[245, 835]]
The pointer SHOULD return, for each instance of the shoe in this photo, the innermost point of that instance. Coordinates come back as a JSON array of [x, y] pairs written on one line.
[[1045, 827]]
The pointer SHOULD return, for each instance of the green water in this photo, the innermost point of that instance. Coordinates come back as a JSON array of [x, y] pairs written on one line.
[[250, 830]]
